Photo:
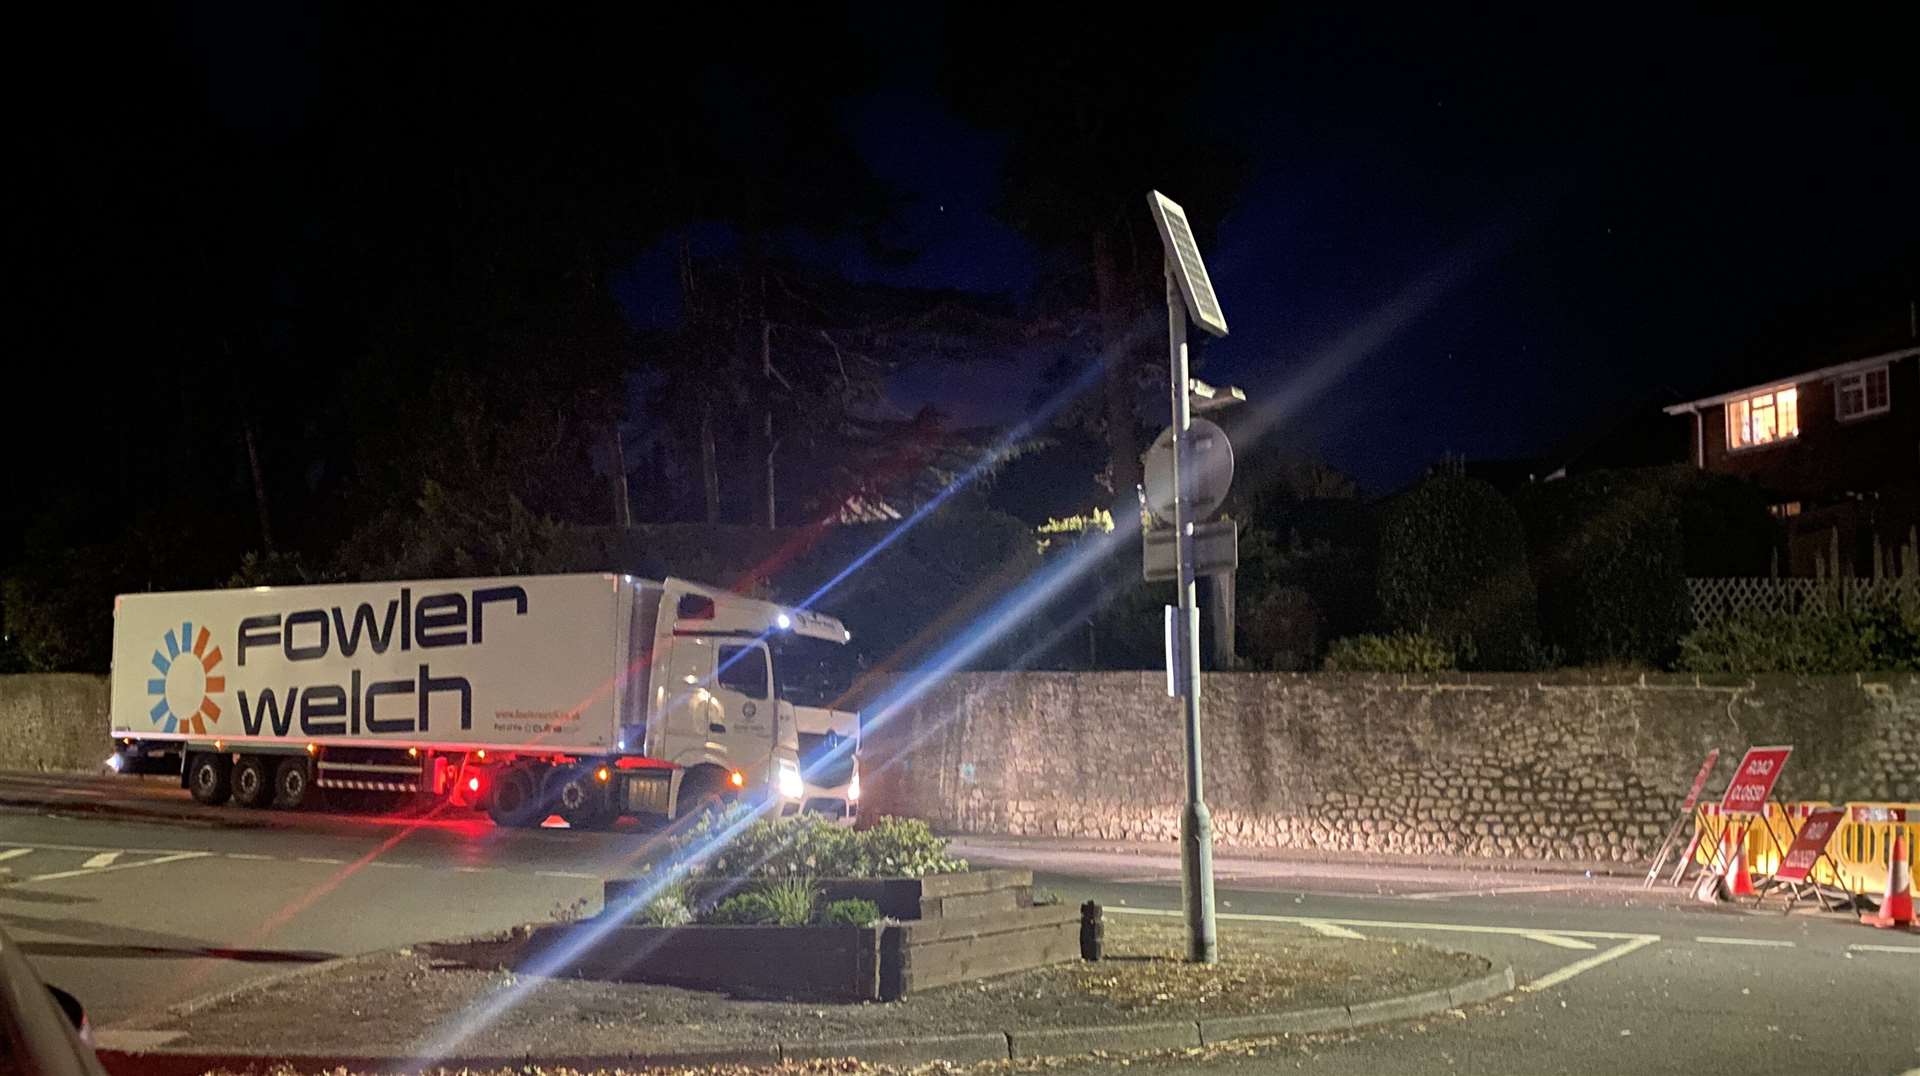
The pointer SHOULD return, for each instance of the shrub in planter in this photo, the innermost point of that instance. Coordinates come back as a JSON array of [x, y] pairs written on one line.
[[771, 847], [671, 907], [904, 848], [852, 913], [789, 902], [741, 909], [813, 847]]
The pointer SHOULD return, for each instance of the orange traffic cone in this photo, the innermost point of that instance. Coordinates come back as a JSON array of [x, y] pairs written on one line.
[[1739, 882], [1896, 910]]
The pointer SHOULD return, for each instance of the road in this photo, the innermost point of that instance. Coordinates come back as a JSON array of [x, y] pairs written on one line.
[[136, 899]]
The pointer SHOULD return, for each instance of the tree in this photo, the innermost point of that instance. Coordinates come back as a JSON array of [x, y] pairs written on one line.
[[1095, 125], [822, 347], [1307, 552], [1453, 564], [1607, 557]]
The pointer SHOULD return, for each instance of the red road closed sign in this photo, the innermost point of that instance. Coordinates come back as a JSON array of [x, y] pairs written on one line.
[[1809, 844], [1753, 782], [1700, 781]]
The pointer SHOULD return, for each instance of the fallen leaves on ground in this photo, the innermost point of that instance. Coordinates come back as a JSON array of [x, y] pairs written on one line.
[[1149, 971]]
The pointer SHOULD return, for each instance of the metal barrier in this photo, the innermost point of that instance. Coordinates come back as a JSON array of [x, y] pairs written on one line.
[[1861, 849]]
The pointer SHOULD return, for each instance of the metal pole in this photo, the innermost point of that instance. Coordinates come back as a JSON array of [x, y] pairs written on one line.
[[1196, 823]]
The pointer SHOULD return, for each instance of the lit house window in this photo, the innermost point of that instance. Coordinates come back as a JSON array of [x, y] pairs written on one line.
[[1763, 418], [1861, 394]]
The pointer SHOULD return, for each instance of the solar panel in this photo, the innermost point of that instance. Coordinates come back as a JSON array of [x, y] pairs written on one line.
[[1195, 286]]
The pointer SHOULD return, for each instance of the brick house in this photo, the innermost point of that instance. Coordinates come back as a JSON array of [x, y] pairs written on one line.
[[1838, 451]]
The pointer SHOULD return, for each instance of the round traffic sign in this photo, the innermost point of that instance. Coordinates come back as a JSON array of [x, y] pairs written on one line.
[[1208, 462]]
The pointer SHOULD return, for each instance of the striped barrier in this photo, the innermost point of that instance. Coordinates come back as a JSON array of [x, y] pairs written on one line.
[[1863, 846], [1860, 851]]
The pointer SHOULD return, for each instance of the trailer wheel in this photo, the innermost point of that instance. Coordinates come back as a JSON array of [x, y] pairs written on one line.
[[210, 778], [252, 782], [515, 800], [291, 784]]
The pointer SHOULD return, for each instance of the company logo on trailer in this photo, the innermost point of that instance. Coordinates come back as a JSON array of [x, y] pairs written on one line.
[[408, 623], [187, 682]]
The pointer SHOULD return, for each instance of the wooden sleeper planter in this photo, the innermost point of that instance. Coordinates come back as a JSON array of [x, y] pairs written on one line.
[[956, 927]]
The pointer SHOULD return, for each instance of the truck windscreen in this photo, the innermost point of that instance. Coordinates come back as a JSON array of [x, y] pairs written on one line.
[[813, 672]]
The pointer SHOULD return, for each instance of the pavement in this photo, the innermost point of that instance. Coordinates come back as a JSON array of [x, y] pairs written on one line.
[[131, 896]]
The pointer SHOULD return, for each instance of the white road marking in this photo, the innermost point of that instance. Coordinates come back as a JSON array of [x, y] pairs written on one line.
[[384, 863], [1332, 930], [1395, 924], [245, 855], [321, 859], [50, 847], [1628, 942], [175, 858], [1758, 943], [132, 1040], [1559, 942], [1555, 978], [477, 870], [100, 859], [1501, 891], [567, 874], [1910, 950], [13, 853]]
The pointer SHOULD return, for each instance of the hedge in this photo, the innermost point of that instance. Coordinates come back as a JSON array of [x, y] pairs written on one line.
[[1608, 559], [1453, 564], [1878, 638]]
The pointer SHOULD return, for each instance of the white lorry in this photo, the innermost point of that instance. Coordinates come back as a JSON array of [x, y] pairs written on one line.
[[589, 696]]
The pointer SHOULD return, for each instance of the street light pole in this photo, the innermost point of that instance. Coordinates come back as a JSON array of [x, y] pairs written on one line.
[[1196, 822]]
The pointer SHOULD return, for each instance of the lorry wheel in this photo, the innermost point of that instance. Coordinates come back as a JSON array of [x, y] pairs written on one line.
[[252, 782], [703, 791], [515, 799], [209, 778], [291, 784], [581, 800]]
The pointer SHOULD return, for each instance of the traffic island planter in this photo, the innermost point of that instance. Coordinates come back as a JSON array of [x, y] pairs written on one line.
[[839, 963], [940, 929]]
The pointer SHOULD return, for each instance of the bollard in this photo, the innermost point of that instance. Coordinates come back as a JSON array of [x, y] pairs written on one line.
[[1093, 931]]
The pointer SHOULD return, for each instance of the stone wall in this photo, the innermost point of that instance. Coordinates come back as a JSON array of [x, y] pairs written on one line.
[[53, 721], [1570, 767]]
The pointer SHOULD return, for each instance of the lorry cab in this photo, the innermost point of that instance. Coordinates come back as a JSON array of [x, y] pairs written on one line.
[[819, 678], [829, 760], [717, 706]]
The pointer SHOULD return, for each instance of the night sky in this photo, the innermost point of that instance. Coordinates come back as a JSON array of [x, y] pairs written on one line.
[[1463, 234]]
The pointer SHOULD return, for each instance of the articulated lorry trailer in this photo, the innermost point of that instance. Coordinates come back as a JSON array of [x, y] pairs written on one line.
[[587, 696]]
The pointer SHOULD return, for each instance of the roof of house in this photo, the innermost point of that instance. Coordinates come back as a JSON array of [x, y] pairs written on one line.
[[1824, 373]]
